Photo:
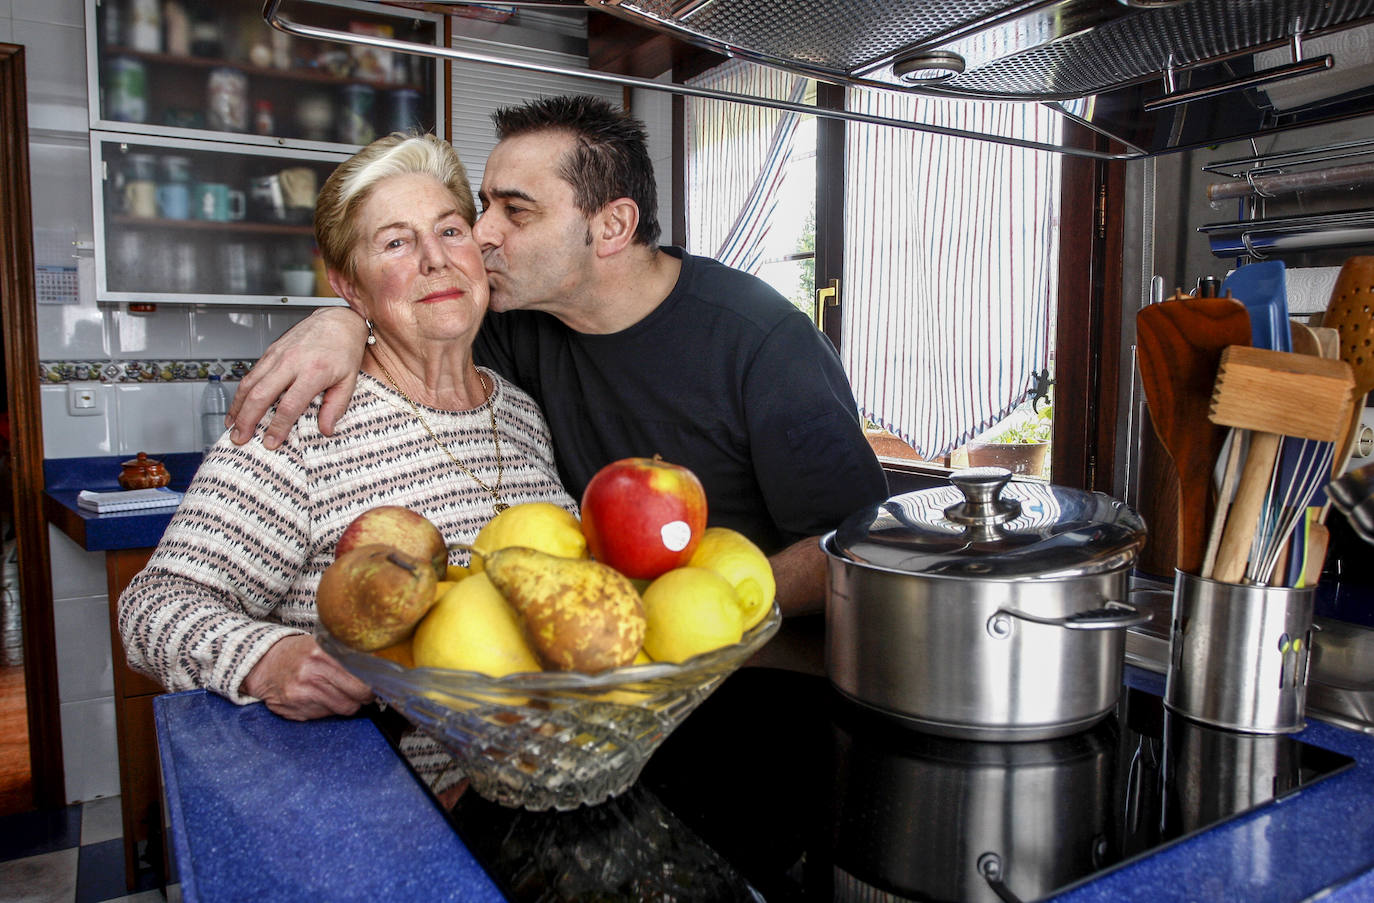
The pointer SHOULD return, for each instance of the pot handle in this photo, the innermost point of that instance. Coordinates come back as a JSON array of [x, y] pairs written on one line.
[[1111, 616]]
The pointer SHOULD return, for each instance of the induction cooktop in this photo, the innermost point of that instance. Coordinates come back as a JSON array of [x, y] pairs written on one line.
[[779, 789]]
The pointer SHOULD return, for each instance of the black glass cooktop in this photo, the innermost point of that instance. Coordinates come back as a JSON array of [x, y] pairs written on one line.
[[779, 789]]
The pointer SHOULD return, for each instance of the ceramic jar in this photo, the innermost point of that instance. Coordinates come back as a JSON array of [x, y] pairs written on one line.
[[143, 472]]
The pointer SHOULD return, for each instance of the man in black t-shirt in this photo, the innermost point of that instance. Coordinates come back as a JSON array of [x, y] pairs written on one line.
[[630, 349]]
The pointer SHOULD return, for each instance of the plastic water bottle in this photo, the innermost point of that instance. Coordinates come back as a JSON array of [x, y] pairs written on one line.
[[213, 406]]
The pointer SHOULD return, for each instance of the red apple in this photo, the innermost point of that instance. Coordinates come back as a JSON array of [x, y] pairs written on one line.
[[643, 516], [400, 528]]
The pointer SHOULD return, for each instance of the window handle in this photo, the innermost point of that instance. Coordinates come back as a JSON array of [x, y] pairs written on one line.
[[826, 297]]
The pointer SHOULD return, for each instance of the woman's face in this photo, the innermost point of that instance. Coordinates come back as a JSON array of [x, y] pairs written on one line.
[[419, 272]]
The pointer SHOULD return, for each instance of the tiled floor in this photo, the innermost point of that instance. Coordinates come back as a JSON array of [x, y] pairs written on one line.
[[72, 855]]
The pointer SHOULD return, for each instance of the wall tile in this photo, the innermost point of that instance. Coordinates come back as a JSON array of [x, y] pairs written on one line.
[[76, 573], [90, 755], [279, 321], [60, 183], [84, 669], [157, 416], [6, 30], [72, 331], [56, 12], [6, 9], [220, 332], [65, 436], [162, 334], [55, 64]]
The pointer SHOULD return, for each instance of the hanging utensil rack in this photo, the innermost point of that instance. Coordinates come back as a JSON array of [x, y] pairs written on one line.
[[1256, 179]]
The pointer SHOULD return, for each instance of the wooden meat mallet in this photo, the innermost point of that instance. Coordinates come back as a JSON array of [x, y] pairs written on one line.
[[1272, 394]]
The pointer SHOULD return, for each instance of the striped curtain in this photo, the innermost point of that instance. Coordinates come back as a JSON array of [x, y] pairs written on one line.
[[736, 159], [950, 266]]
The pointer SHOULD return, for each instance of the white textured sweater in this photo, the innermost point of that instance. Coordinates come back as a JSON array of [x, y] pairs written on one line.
[[238, 567]]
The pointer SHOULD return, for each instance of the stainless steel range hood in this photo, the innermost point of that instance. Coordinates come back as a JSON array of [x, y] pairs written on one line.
[[1151, 75]]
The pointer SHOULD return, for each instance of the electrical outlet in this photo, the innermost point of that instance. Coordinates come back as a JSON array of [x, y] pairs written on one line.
[[1363, 450], [85, 399]]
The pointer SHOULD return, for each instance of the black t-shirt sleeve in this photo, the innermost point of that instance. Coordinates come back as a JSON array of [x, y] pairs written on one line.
[[810, 456]]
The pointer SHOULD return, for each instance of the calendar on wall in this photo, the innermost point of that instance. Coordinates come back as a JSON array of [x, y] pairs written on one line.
[[56, 279]]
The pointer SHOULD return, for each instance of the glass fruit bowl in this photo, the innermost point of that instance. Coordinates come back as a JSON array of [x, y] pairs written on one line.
[[551, 739]]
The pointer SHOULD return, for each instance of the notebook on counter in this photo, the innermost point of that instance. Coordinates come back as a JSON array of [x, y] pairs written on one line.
[[127, 499]]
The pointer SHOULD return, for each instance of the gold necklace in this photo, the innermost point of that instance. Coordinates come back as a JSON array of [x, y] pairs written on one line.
[[497, 505]]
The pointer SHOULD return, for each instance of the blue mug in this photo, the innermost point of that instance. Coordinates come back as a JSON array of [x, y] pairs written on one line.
[[217, 202], [174, 200]]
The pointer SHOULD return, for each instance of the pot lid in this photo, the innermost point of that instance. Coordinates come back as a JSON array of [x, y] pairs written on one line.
[[985, 526]]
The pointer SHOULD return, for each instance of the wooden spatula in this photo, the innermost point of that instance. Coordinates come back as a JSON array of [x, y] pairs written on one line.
[[1178, 346]]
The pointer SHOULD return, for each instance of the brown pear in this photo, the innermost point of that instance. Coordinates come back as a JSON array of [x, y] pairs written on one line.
[[372, 596], [580, 615]]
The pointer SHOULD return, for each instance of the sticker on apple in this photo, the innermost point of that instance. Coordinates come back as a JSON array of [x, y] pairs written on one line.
[[676, 534]]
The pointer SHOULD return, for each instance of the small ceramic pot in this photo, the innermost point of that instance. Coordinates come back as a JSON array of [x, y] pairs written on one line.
[[143, 472]]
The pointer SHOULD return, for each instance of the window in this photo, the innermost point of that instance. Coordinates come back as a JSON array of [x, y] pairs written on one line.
[[950, 259]]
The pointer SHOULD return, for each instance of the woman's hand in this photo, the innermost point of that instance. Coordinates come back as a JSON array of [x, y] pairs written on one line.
[[321, 353], [300, 681]]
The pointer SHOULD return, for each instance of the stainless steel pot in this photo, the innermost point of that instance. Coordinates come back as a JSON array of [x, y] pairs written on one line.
[[986, 610]]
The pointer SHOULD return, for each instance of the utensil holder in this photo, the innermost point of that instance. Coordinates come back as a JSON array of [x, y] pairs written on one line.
[[1238, 654]]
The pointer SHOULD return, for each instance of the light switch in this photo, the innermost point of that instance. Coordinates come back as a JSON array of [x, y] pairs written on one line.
[[85, 399]]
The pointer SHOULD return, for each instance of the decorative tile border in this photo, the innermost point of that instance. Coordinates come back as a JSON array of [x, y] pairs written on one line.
[[149, 371]]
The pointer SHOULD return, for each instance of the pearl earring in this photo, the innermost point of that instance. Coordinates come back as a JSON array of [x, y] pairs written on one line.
[[371, 339]]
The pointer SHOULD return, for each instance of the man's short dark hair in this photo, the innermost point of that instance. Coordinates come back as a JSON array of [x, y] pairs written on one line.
[[610, 159]]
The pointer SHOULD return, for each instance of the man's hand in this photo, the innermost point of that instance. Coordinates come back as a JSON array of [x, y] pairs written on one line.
[[298, 680], [321, 353]]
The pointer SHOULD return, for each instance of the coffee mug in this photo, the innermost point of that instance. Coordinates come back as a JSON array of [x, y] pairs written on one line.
[[174, 200], [298, 281], [218, 202], [265, 197], [298, 186], [140, 198]]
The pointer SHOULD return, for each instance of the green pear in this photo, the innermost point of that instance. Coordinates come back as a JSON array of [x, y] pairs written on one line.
[[580, 615], [373, 596]]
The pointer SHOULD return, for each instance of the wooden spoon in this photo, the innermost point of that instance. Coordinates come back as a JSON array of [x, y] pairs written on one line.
[[1178, 345]]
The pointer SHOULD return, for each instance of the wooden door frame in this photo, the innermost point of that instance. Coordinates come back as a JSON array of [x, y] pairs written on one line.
[[19, 310], [1088, 323]]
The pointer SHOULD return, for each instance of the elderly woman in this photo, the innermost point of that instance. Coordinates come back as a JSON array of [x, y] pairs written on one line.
[[227, 601]]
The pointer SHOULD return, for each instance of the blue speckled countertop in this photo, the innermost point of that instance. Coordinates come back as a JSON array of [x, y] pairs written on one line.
[[63, 478], [262, 807]]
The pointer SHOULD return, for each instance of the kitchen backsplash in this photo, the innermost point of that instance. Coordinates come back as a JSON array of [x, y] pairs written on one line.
[[116, 382]]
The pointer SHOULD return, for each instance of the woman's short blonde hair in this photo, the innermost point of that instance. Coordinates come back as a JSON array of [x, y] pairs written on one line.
[[350, 185]]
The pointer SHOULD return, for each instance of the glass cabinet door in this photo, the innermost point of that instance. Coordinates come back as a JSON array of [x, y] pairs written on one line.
[[206, 222], [177, 67]]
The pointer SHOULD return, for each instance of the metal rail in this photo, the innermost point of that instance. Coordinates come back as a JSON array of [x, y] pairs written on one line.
[[272, 15]]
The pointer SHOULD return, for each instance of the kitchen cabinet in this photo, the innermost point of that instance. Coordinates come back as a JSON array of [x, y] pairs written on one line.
[[140, 799], [211, 133], [127, 539], [203, 221]]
